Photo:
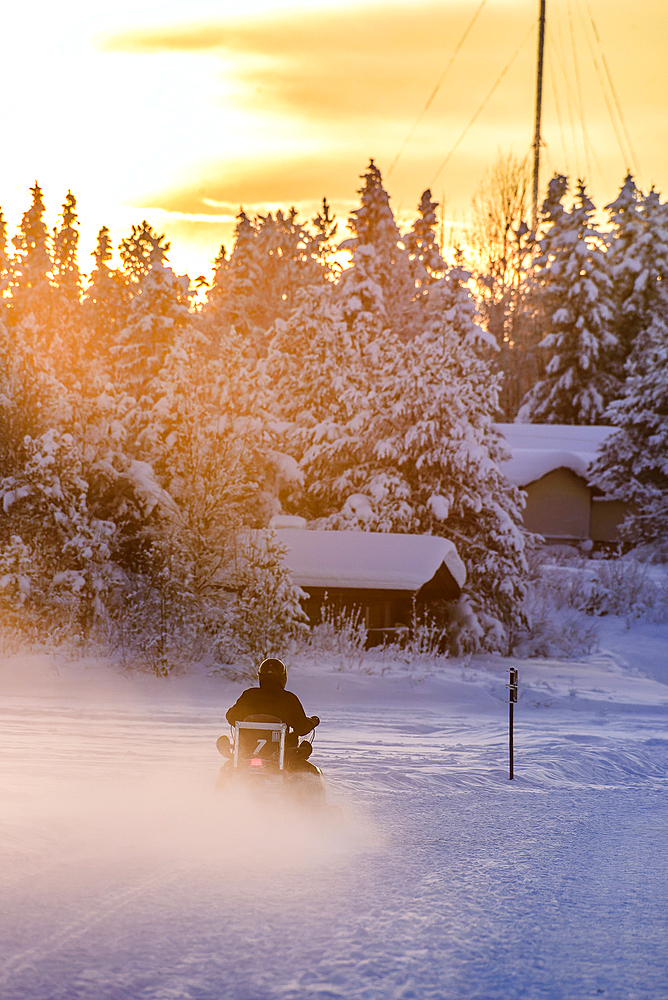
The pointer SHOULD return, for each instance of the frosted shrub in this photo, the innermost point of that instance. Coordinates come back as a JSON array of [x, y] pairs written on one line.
[[568, 593], [268, 614], [340, 634], [553, 629], [157, 627], [627, 588]]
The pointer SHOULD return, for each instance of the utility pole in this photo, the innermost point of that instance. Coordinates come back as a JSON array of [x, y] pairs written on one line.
[[539, 107]]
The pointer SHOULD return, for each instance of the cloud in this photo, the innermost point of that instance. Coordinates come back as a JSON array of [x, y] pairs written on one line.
[[223, 188], [347, 63]]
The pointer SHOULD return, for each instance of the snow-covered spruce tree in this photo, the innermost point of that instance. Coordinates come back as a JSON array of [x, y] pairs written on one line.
[[273, 258], [68, 343], [208, 445], [358, 347], [32, 399], [430, 461], [575, 289], [31, 298], [638, 263], [386, 260], [62, 552], [317, 380], [106, 302], [160, 307], [204, 440], [633, 464], [121, 487], [66, 273], [323, 245], [6, 268], [424, 256], [394, 435]]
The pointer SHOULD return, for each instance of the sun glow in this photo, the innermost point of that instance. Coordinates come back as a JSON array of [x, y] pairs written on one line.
[[144, 112]]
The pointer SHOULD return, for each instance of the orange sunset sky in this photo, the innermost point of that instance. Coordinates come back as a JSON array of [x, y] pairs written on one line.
[[181, 113]]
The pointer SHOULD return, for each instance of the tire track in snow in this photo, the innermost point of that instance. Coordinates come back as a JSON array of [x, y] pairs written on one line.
[[78, 928]]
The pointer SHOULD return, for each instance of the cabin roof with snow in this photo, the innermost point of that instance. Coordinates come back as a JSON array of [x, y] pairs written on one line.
[[537, 449], [366, 560]]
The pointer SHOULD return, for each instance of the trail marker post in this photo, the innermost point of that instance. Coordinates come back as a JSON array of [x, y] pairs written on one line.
[[512, 700]]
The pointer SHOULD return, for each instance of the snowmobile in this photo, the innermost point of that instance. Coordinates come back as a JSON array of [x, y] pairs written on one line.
[[261, 760]]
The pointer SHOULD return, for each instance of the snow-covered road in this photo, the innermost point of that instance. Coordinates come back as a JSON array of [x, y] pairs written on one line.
[[122, 876]]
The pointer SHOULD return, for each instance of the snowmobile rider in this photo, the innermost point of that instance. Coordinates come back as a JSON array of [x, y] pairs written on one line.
[[271, 698]]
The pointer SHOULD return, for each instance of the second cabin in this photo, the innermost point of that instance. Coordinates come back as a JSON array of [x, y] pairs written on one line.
[[551, 463]]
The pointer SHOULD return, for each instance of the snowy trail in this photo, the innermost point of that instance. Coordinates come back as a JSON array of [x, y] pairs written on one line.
[[122, 876]]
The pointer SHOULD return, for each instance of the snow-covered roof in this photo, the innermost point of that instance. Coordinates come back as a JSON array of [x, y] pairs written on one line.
[[367, 560], [540, 448]]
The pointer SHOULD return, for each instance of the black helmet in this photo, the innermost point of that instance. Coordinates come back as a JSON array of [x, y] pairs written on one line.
[[272, 672]]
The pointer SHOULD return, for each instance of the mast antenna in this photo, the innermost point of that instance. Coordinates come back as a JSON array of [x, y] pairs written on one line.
[[539, 106]]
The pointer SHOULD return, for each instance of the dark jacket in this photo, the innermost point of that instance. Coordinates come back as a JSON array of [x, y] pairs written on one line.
[[285, 705]]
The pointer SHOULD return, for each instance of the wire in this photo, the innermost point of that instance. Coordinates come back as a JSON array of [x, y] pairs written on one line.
[[432, 96], [570, 100], [484, 103], [578, 84], [557, 106], [606, 97], [614, 92]]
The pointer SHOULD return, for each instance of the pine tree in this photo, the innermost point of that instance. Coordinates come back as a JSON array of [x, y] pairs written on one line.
[[273, 258], [316, 372], [378, 243], [424, 256], [429, 462], [6, 269], [140, 251], [575, 288], [268, 613], [323, 247], [66, 274], [31, 292], [66, 313], [159, 309], [106, 301], [638, 262], [633, 463], [32, 398], [205, 440], [66, 560]]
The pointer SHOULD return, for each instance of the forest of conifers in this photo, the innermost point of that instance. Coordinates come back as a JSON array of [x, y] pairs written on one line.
[[146, 430]]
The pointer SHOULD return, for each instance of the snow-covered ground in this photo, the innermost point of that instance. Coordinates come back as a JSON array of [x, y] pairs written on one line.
[[123, 876]]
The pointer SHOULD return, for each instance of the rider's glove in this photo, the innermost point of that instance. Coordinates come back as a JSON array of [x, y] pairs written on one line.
[[315, 721]]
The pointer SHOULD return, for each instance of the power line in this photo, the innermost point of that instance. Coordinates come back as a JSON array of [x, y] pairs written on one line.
[[570, 99], [576, 66], [484, 103], [606, 96], [614, 92], [432, 96], [557, 106]]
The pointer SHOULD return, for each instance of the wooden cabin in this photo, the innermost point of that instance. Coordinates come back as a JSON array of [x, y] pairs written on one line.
[[381, 576], [551, 463]]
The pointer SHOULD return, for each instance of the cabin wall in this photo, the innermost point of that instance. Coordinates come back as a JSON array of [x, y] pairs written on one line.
[[377, 609], [606, 519], [558, 506]]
